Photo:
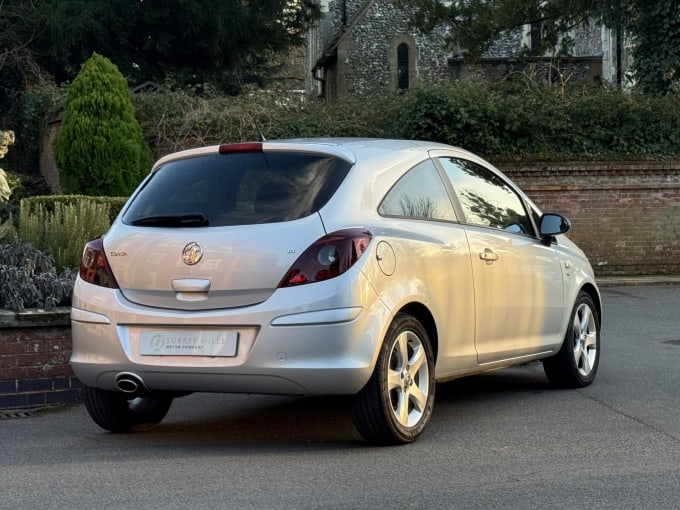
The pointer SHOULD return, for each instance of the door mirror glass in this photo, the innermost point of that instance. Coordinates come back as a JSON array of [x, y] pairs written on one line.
[[554, 224]]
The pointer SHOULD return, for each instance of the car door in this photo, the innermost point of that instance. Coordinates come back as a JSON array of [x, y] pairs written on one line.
[[518, 282]]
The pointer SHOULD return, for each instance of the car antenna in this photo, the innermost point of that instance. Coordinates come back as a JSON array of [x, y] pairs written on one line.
[[257, 127]]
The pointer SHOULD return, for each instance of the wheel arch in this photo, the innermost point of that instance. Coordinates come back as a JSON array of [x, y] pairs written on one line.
[[594, 294], [423, 315]]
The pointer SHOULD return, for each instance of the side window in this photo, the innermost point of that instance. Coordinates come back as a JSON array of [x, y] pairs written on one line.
[[486, 199], [420, 193]]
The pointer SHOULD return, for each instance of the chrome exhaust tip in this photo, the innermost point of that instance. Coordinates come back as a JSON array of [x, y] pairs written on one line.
[[130, 383]]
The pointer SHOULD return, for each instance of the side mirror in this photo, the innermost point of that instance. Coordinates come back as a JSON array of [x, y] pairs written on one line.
[[552, 225]]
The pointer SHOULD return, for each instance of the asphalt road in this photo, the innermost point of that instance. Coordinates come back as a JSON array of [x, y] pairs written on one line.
[[502, 440]]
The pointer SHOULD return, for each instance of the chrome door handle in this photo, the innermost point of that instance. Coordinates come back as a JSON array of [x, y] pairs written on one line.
[[489, 256]]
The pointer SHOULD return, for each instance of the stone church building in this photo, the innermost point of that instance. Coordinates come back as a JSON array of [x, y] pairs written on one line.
[[362, 47]]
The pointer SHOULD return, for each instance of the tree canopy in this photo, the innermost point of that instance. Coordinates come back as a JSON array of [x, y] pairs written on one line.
[[183, 41], [653, 25]]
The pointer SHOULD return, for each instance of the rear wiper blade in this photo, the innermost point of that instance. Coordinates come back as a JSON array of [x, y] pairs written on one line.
[[174, 220]]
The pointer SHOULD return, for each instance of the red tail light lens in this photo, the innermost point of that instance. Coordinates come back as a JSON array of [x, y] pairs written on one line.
[[328, 257], [94, 268]]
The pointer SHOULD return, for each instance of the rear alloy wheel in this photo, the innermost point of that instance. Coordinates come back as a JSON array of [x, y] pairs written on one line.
[[575, 365], [396, 404], [118, 412]]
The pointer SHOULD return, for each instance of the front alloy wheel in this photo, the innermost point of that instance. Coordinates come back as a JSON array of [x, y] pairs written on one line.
[[575, 365], [396, 404]]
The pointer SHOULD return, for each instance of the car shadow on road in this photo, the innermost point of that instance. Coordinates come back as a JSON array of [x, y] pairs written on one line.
[[243, 423], [525, 378], [247, 422]]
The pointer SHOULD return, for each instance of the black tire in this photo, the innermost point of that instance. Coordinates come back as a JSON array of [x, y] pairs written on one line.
[[575, 365], [396, 404], [119, 413]]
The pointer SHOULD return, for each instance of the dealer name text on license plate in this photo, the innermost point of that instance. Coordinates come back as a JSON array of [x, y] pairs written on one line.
[[188, 343]]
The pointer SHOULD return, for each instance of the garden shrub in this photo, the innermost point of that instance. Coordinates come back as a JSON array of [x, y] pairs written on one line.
[[64, 226], [99, 148], [175, 120], [28, 279]]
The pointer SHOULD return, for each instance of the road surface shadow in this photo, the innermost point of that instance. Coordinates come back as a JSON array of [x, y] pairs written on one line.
[[247, 422]]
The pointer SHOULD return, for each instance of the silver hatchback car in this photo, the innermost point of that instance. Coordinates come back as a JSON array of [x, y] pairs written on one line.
[[371, 268]]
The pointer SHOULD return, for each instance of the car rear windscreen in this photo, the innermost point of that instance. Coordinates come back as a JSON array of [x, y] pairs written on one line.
[[237, 189]]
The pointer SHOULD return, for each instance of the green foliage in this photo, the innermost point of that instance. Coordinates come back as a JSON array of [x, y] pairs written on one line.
[[655, 28], [7, 230], [49, 202], [176, 120], [656, 54], [524, 117], [532, 120], [62, 226], [99, 148], [519, 117], [30, 111], [28, 279], [179, 41], [475, 24]]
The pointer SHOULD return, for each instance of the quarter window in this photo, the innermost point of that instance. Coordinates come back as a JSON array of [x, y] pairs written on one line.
[[420, 193], [486, 200]]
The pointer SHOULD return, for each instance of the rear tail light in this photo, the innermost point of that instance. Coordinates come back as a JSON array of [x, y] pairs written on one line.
[[94, 268], [328, 257]]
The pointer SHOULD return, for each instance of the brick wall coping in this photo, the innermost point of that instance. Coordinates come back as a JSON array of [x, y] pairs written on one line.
[[35, 318], [595, 165]]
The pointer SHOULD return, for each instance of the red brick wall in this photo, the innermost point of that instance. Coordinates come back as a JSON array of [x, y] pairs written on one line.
[[34, 354], [625, 215]]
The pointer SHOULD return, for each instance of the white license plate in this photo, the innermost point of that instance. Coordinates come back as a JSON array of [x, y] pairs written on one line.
[[188, 343]]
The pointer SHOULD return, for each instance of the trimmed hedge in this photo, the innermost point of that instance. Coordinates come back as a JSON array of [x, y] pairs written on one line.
[[521, 118], [114, 204], [511, 119], [498, 120]]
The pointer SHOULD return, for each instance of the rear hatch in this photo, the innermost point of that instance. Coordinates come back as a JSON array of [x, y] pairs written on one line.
[[220, 230]]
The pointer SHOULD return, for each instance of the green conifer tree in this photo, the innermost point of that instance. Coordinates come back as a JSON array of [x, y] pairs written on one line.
[[100, 149]]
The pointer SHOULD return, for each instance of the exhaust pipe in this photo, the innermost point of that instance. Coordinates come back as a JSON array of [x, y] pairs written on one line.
[[130, 383]]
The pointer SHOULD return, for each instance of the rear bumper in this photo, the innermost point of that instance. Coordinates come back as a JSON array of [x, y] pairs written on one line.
[[316, 339]]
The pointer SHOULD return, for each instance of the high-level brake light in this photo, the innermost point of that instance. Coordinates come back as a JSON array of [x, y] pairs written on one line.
[[231, 148]]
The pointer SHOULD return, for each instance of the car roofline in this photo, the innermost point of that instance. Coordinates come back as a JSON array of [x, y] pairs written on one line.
[[344, 148]]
